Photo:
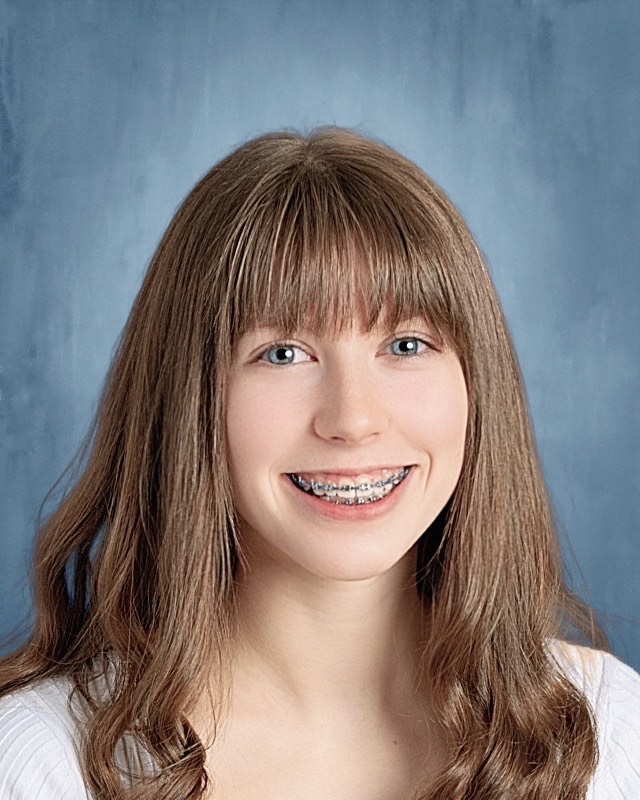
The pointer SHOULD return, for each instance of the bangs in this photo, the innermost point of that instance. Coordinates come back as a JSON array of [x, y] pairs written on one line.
[[324, 250]]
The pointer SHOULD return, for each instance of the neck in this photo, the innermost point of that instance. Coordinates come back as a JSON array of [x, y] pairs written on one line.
[[318, 643]]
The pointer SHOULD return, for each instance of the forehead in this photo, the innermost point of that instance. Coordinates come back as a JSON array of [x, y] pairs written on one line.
[[330, 300], [353, 329]]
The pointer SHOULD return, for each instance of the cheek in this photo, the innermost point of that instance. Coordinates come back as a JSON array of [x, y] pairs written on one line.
[[453, 416], [436, 412], [243, 434], [258, 427]]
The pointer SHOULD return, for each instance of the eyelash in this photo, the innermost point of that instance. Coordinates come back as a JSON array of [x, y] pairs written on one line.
[[429, 348]]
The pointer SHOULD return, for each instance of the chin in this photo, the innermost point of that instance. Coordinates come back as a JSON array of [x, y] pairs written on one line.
[[348, 567]]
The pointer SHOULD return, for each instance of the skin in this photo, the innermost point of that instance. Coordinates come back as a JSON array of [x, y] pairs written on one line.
[[329, 617]]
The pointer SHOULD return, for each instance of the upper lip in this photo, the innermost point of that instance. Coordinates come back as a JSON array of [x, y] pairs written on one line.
[[351, 470]]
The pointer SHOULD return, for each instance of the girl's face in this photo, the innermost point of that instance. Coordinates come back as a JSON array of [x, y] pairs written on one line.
[[343, 449]]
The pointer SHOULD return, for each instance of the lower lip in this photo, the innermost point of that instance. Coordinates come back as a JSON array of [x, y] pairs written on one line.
[[354, 513]]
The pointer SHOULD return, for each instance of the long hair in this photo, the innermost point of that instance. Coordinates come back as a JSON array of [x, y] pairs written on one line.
[[134, 571]]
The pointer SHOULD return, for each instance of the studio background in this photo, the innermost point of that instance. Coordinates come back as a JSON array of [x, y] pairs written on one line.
[[525, 111]]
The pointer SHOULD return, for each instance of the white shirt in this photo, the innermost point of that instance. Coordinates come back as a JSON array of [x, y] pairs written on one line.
[[39, 761]]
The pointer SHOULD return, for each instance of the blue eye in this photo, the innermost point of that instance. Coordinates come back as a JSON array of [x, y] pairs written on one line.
[[404, 348], [280, 354], [407, 346]]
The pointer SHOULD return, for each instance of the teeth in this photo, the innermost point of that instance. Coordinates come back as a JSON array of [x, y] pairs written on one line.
[[346, 493], [359, 501], [362, 491]]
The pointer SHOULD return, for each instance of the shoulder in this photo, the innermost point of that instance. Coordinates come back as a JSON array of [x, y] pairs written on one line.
[[613, 691], [38, 744]]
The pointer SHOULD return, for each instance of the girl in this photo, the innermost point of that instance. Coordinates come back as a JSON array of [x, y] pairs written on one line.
[[311, 554]]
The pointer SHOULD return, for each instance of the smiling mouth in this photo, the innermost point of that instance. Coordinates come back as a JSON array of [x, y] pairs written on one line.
[[349, 494]]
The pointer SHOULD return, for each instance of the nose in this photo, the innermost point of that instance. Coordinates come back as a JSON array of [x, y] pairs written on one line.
[[352, 407]]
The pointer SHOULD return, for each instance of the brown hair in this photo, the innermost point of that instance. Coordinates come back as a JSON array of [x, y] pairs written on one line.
[[134, 570]]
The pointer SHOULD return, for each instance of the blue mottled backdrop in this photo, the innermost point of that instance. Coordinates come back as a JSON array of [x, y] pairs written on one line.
[[526, 111]]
